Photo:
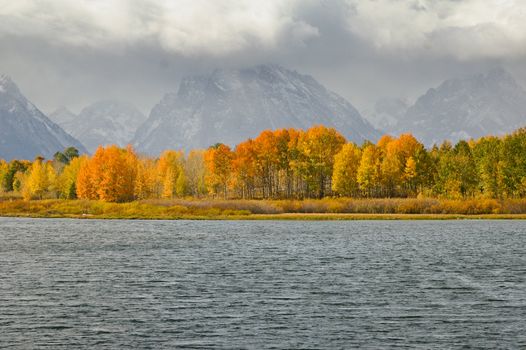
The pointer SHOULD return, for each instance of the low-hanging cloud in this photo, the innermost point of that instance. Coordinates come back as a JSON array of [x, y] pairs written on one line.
[[188, 27], [73, 52], [464, 29]]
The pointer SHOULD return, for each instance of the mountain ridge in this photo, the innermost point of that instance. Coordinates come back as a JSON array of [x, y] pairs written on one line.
[[26, 132], [231, 105], [62, 115], [472, 106], [105, 122]]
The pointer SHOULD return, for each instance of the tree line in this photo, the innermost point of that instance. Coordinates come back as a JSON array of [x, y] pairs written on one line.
[[282, 164]]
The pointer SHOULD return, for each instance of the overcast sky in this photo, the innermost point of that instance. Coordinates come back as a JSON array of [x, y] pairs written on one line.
[[74, 52]]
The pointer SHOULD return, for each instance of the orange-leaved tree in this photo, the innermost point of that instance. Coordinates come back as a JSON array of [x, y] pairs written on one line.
[[109, 175], [218, 160]]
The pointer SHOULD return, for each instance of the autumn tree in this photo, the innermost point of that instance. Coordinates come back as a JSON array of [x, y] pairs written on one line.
[[195, 171], [245, 168], [295, 184], [287, 156], [37, 181], [284, 163], [344, 176], [86, 185], [267, 162], [181, 185], [514, 164], [487, 153], [400, 164], [67, 179], [369, 171], [169, 167], [392, 167], [108, 172], [457, 174], [318, 146], [147, 183], [218, 160], [4, 168], [109, 175], [8, 178]]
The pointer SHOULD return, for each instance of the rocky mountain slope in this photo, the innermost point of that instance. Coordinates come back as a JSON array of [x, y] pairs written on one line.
[[387, 112], [25, 132], [103, 123], [62, 116], [491, 103], [232, 105]]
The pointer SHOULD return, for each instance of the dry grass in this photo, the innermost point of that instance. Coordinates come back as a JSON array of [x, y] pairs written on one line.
[[253, 206], [402, 206], [325, 209], [9, 196], [97, 209]]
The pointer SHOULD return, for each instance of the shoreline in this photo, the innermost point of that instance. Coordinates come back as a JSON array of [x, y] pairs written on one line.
[[281, 217]]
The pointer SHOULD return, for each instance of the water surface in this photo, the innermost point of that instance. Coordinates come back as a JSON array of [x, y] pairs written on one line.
[[70, 284]]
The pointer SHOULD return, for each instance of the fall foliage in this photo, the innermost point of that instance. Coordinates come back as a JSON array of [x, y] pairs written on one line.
[[282, 164]]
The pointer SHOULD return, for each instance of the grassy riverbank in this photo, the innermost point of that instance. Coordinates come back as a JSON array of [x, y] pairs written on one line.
[[326, 209]]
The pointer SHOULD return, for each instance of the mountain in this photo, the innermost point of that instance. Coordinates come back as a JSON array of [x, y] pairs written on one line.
[[230, 106], [387, 112], [62, 116], [25, 132], [105, 122], [491, 103]]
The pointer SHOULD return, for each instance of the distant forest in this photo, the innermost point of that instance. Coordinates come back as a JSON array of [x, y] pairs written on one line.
[[281, 164]]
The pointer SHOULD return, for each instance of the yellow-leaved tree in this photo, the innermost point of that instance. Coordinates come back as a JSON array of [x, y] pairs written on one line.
[[368, 174], [38, 180], [67, 180], [169, 166], [344, 175], [196, 172], [147, 183], [318, 146]]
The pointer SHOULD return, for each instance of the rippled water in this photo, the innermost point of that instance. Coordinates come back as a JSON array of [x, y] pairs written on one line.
[[213, 284]]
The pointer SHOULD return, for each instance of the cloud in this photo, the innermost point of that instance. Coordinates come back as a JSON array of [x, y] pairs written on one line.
[[73, 52], [187, 27], [465, 29]]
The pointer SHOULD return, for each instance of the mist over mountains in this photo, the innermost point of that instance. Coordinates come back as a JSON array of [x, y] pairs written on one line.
[[62, 116], [490, 103], [232, 105], [25, 131], [229, 106], [101, 123], [387, 113]]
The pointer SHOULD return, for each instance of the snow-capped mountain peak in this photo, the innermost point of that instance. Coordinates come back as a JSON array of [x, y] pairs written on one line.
[[230, 105], [7, 86]]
